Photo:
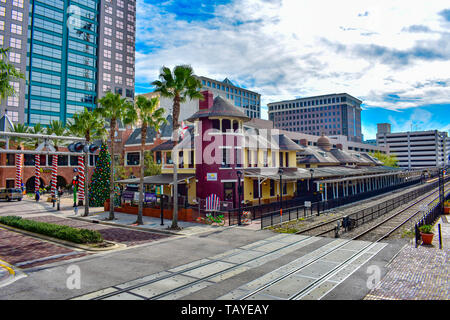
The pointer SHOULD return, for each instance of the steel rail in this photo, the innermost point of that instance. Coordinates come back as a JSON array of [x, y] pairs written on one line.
[[306, 264], [394, 216], [332, 221], [195, 267]]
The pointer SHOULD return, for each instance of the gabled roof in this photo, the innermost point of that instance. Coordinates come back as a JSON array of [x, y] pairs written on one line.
[[186, 143], [6, 124], [227, 81], [220, 108], [165, 131], [284, 143]]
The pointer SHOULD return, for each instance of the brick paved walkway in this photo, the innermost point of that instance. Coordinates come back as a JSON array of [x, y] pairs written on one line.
[[115, 234], [21, 250], [420, 273]]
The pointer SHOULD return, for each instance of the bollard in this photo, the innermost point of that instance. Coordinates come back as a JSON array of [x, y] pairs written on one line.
[[440, 238]]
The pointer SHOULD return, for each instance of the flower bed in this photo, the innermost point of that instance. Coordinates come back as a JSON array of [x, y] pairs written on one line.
[[82, 236]]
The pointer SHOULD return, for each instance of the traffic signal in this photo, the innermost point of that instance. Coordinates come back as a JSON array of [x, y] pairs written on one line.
[[82, 147], [320, 187], [76, 147]]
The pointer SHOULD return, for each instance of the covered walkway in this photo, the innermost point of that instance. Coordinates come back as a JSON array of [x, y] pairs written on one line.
[[347, 186]]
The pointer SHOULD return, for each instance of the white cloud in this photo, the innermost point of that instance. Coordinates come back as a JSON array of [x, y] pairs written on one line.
[[293, 48]]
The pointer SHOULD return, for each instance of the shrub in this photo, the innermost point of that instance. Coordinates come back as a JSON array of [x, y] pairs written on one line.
[[53, 230], [426, 228]]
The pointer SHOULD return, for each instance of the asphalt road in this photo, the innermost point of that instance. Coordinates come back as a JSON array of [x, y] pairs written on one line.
[[80, 276]]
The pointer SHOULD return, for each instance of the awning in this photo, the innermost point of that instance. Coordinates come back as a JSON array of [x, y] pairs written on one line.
[[165, 178], [318, 173], [272, 173]]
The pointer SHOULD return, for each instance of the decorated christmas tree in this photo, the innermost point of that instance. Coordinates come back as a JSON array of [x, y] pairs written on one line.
[[99, 186]]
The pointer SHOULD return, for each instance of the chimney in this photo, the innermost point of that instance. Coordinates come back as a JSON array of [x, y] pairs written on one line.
[[208, 100], [339, 146], [303, 142]]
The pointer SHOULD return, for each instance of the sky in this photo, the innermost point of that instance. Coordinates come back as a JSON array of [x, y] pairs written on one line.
[[392, 55]]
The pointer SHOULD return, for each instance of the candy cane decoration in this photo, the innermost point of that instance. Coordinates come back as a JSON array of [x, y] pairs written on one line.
[[19, 158], [37, 172], [81, 178], [54, 173]]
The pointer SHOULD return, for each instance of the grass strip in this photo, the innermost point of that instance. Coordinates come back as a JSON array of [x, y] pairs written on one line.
[[81, 236]]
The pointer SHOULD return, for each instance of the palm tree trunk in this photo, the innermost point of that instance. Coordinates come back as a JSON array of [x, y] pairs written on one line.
[[111, 190], [176, 112], [141, 178]]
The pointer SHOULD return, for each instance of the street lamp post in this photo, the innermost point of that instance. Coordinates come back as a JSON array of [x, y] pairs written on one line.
[[239, 175], [280, 172], [311, 183]]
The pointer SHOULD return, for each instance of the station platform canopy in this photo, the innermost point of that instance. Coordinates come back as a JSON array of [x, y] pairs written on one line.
[[318, 173]]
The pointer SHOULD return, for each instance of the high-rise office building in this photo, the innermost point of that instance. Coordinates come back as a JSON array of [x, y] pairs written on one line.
[[331, 114], [71, 51], [417, 149], [249, 101]]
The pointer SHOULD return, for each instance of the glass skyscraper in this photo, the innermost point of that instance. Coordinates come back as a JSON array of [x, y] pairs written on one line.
[[63, 55]]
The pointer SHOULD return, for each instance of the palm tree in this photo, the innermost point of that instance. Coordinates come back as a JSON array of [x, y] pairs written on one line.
[[8, 73], [19, 128], [151, 117], [114, 108], [88, 125], [177, 85], [57, 128]]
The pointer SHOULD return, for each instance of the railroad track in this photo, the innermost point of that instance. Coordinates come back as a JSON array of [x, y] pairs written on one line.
[[328, 228], [369, 239], [390, 225]]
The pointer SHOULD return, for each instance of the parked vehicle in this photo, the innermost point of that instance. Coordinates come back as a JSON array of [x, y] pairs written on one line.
[[11, 194]]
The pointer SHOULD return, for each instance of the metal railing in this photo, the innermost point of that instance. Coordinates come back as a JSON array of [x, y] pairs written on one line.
[[429, 218], [356, 218]]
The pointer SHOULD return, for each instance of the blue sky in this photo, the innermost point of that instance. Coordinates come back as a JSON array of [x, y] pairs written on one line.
[[392, 55]]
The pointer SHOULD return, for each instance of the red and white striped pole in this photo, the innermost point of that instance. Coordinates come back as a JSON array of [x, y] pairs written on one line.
[[19, 158], [37, 172], [54, 174], [81, 178]]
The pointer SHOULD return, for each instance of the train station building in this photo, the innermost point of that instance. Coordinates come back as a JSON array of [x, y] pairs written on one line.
[[222, 149]]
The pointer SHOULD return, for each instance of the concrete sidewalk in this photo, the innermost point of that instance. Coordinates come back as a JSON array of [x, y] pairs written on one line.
[[128, 220], [418, 273]]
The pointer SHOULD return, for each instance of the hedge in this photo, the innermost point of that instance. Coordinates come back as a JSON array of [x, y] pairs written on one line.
[[53, 230]]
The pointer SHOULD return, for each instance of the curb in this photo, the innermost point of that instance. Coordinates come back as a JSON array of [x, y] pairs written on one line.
[[127, 226], [64, 242]]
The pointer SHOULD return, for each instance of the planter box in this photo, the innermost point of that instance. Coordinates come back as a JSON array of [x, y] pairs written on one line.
[[183, 214], [446, 210], [427, 238]]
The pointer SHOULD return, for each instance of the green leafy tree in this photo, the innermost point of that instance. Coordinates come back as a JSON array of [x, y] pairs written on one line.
[[37, 129], [151, 167], [114, 108], [178, 85], [387, 160], [120, 171], [8, 73], [88, 125], [57, 128], [99, 188], [20, 141]]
